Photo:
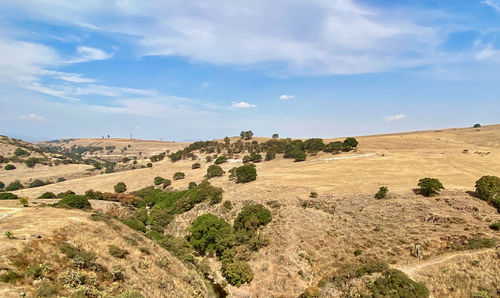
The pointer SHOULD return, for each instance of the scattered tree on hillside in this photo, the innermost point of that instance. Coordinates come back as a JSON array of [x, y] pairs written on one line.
[[120, 187], [477, 125], [179, 175], [276, 136], [429, 186], [247, 135], [214, 171], [245, 173]]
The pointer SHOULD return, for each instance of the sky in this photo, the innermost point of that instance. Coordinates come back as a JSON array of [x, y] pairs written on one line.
[[190, 70]]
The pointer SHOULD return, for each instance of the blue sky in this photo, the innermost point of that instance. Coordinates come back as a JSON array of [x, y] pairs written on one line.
[[180, 70]]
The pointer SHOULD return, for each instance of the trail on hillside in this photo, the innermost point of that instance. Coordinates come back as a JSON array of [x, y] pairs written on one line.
[[411, 271]]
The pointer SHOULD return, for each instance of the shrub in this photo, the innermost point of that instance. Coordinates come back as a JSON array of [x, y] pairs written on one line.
[[252, 217], [141, 214], [117, 252], [158, 180], [8, 196], [9, 235], [488, 188], [247, 135], [10, 277], [37, 183], [227, 205], [81, 258], [63, 194], [14, 186], [31, 162], [313, 195], [159, 219], [74, 201], [395, 283], [382, 193], [179, 175], [275, 136], [334, 147], [2, 185], [166, 183], [299, 155], [9, 167], [191, 185], [270, 155], [238, 273], [220, 159], [208, 159], [94, 195], [209, 233], [429, 186], [134, 224], [358, 252], [214, 171], [351, 142], [477, 125], [61, 179], [247, 159], [149, 165], [117, 273], [495, 226], [179, 247], [23, 201], [21, 152], [245, 174], [196, 165], [120, 187]]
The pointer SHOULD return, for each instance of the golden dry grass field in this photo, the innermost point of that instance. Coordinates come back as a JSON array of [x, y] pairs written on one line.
[[313, 238]]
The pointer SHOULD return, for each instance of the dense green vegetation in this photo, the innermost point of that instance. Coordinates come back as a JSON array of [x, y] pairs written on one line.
[[395, 283], [488, 189], [429, 186], [14, 186], [47, 195], [8, 196], [9, 167], [208, 233], [214, 171], [179, 175], [120, 187], [382, 193], [246, 173], [37, 183], [74, 201]]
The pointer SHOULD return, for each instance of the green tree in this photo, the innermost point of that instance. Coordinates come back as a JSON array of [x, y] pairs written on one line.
[[74, 201], [196, 165], [14, 186], [120, 187], [31, 162], [210, 233], [179, 175], [488, 188], [21, 152], [477, 125], [37, 183], [214, 171], [245, 173], [351, 142], [220, 159], [158, 180], [429, 186], [9, 167], [238, 273], [276, 136]]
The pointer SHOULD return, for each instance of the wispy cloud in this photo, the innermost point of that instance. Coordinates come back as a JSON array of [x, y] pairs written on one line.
[[86, 54], [395, 117], [243, 105], [492, 3], [32, 117], [287, 97]]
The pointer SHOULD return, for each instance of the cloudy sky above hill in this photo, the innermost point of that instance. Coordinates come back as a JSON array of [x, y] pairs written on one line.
[[203, 69]]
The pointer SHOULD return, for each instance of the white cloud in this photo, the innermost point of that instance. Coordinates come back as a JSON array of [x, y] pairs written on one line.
[[243, 105], [31, 117], [395, 117], [308, 37], [488, 53], [493, 4], [287, 97], [86, 54]]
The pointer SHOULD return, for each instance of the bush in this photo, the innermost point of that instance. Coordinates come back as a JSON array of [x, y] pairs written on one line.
[[429, 186], [488, 188], [196, 165], [117, 252], [495, 226], [74, 201], [252, 217], [134, 224], [209, 233], [351, 142], [334, 147], [120, 187], [227, 205], [81, 258], [245, 174], [214, 171], [220, 159], [247, 135], [21, 152], [179, 247], [382, 193], [275, 136], [8, 196], [208, 159], [299, 155], [313, 195], [159, 219], [477, 125], [141, 214], [14, 186], [179, 175], [10, 277], [395, 283], [149, 165], [238, 273], [63, 194], [31, 162], [270, 155], [23, 201], [37, 183], [2, 185], [158, 180], [192, 185], [9, 167], [358, 252], [166, 183]]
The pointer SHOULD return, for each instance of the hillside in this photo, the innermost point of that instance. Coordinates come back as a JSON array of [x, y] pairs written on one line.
[[313, 242]]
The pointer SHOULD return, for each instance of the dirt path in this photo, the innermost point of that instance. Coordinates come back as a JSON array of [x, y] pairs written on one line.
[[411, 271], [7, 214]]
